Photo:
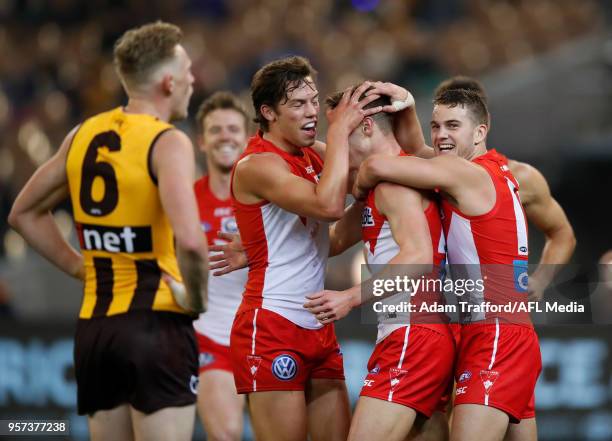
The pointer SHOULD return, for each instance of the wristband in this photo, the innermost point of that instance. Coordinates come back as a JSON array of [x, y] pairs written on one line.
[[401, 105]]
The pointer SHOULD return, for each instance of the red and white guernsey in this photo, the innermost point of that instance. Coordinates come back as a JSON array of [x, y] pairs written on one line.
[[381, 248], [224, 292], [287, 253], [491, 247]]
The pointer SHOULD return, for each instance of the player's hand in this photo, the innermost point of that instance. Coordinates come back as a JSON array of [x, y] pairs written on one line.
[[328, 306], [400, 98], [181, 296], [535, 288], [230, 256], [350, 111]]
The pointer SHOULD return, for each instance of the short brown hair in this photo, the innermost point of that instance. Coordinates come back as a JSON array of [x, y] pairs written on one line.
[[385, 118], [464, 83], [220, 100], [141, 49], [273, 82], [465, 98]]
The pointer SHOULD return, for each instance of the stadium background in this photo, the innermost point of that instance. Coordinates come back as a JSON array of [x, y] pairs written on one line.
[[547, 67]]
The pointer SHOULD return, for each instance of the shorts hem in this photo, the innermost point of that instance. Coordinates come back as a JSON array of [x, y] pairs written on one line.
[[243, 390]]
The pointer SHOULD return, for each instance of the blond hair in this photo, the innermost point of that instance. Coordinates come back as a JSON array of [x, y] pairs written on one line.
[[140, 50]]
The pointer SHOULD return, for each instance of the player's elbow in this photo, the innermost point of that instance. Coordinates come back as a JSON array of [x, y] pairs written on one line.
[[15, 219], [564, 235], [331, 212], [192, 245]]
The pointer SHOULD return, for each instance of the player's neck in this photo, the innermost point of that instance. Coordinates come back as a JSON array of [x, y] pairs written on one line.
[[388, 146], [279, 141], [139, 105], [219, 183], [479, 150]]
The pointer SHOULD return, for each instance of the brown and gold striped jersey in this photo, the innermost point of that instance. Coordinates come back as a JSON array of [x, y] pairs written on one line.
[[125, 236]]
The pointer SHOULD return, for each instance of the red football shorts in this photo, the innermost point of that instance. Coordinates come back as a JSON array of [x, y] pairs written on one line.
[[269, 353], [212, 355], [498, 366], [412, 366]]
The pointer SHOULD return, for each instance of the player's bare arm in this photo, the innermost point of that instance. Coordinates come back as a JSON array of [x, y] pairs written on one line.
[[32, 217], [403, 208], [547, 215], [174, 166], [347, 231], [266, 176], [467, 184]]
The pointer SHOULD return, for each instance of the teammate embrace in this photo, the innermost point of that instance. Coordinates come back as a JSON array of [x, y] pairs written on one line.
[[143, 257]]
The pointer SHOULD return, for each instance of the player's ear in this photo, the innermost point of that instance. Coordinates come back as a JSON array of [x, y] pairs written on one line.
[[268, 112], [167, 84], [480, 133], [367, 125]]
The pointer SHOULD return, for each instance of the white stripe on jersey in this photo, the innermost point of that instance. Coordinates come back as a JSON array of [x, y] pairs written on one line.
[[297, 258], [386, 248], [521, 227], [463, 259]]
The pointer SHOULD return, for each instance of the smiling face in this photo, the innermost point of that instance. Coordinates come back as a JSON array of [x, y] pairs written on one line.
[[223, 138], [295, 119], [454, 131]]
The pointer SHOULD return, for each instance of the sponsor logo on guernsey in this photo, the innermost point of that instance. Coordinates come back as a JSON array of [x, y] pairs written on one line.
[[521, 277], [205, 358], [222, 211], [206, 227], [254, 361], [465, 376], [375, 370], [229, 225], [115, 239], [461, 390], [488, 379], [284, 367], [367, 220], [193, 384], [395, 377], [368, 383]]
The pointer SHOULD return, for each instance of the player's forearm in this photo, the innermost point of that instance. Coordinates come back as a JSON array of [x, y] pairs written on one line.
[[408, 132], [557, 251], [193, 263], [347, 231], [331, 189], [42, 233], [402, 171]]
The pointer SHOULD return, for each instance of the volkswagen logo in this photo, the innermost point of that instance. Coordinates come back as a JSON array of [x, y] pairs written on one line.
[[284, 367]]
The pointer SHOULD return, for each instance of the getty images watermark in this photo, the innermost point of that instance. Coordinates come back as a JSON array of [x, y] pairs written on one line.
[[474, 293]]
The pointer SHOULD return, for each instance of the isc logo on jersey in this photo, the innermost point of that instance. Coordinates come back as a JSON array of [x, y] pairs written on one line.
[[284, 367], [367, 220], [115, 239]]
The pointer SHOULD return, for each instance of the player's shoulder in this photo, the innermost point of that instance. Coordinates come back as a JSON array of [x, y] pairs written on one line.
[[526, 174], [388, 195], [260, 163]]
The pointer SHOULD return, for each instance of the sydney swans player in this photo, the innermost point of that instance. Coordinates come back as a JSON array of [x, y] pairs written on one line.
[[222, 123]]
